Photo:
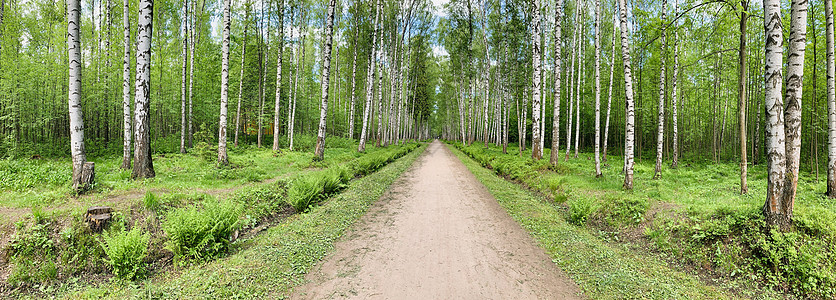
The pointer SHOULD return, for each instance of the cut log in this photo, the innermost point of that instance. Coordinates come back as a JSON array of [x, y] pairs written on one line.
[[98, 217]]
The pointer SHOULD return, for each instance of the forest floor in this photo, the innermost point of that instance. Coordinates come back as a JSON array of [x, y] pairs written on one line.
[[437, 233]]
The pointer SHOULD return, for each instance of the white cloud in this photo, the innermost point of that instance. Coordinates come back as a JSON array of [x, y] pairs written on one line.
[[439, 50], [439, 7]]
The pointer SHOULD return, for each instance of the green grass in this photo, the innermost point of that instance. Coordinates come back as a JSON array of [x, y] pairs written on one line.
[[270, 265], [601, 269], [693, 218], [46, 182]]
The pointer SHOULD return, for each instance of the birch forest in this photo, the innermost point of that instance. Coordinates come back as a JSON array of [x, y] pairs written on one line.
[[716, 118]]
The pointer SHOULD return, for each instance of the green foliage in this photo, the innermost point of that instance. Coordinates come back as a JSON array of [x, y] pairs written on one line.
[[126, 251], [150, 202], [624, 209], [580, 209], [201, 234], [32, 254], [78, 249]]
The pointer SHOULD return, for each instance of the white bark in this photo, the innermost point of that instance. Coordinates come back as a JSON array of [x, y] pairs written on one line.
[[369, 81], [353, 83], [241, 78], [598, 88], [279, 63], [558, 18], [222, 156], [74, 98], [660, 132], [126, 87], [183, 81], [775, 135], [628, 96], [536, 150], [831, 102], [326, 72], [674, 99], [143, 166], [609, 93]]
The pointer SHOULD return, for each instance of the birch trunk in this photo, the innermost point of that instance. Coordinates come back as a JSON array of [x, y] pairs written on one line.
[[831, 103], [143, 166], [369, 82], [792, 114], [76, 118], [629, 134], [558, 32], [326, 69], [571, 79], [353, 82], [609, 93], [241, 78], [578, 106], [660, 132], [536, 151], [775, 135], [279, 63], [675, 99], [183, 81], [126, 87], [598, 89], [222, 156]]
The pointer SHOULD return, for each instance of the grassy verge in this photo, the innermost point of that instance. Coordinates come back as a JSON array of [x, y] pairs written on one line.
[[603, 268], [270, 265]]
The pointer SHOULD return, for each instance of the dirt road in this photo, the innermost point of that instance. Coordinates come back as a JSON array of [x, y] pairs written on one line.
[[437, 234]]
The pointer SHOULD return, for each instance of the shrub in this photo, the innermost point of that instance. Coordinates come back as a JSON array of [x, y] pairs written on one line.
[[126, 251], [304, 191], [625, 209], [196, 233], [32, 253], [580, 209]]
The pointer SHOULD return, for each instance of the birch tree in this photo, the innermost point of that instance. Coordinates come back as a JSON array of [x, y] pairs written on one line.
[[609, 93], [369, 81], [558, 18], [143, 165], [241, 78], [674, 98], [82, 170], [326, 69], [279, 63], [629, 134], [126, 87], [598, 88], [183, 81], [223, 159], [536, 150], [831, 102], [660, 132]]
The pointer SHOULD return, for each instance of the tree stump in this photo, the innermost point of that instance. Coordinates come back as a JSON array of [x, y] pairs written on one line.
[[98, 217], [88, 176]]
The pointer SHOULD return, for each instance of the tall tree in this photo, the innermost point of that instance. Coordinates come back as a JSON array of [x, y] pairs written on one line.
[[241, 78], [536, 150], [674, 98], [558, 32], [831, 102], [326, 69], [629, 134], [183, 81], [369, 81], [660, 133], [223, 159], [741, 93], [143, 165], [126, 87], [609, 93], [598, 88], [82, 170], [352, 106], [279, 63]]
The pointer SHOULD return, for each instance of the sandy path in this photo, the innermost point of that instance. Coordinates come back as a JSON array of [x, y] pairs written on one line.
[[437, 234]]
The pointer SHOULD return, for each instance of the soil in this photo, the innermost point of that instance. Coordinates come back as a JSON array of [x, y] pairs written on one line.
[[437, 234]]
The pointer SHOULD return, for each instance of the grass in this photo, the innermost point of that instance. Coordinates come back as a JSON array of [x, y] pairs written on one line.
[[692, 220], [46, 182], [272, 264]]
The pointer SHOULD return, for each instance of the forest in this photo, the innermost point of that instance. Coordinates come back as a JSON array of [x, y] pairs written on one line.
[[702, 131]]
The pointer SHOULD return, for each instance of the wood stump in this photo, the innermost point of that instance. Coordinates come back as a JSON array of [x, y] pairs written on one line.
[[86, 178], [98, 217]]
